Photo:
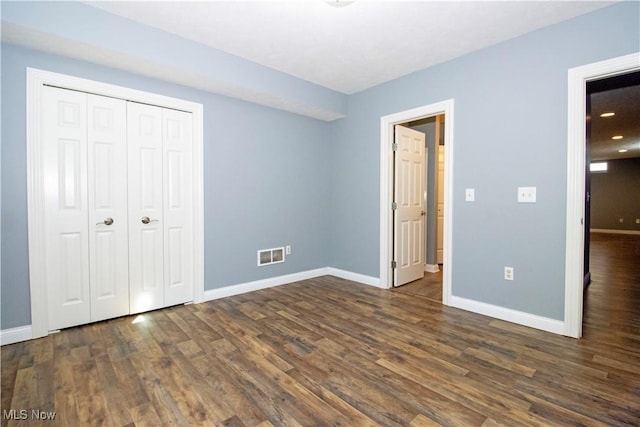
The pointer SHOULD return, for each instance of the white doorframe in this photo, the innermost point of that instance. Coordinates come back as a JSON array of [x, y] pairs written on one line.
[[576, 152], [36, 80], [386, 189]]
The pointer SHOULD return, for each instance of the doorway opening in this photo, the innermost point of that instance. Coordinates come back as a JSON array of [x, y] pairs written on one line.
[[576, 186], [612, 203], [387, 131], [612, 140]]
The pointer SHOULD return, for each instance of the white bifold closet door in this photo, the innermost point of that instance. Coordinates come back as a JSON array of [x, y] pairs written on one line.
[[118, 207], [160, 200]]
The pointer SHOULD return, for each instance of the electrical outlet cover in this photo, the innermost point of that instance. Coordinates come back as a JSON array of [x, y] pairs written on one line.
[[526, 194], [469, 194], [508, 273]]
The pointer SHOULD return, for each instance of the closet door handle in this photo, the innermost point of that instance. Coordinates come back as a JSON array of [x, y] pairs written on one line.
[[107, 221], [146, 220]]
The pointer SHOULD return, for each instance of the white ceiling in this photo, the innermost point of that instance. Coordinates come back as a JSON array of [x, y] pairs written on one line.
[[625, 103], [354, 47]]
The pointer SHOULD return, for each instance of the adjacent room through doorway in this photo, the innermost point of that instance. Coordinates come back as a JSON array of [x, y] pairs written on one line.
[[435, 123]]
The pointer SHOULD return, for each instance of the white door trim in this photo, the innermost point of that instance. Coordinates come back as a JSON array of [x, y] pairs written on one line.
[[36, 80], [576, 152], [386, 188]]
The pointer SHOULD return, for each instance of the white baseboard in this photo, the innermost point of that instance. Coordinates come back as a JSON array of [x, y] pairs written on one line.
[[431, 268], [356, 277], [242, 288], [513, 316], [611, 231], [14, 335]]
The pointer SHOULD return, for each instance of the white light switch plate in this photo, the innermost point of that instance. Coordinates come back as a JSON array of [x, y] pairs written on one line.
[[526, 194], [469, 194]]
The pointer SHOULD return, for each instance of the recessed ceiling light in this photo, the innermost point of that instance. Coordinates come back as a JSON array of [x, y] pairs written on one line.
[[607, 114], [617, 137], [622, 151]]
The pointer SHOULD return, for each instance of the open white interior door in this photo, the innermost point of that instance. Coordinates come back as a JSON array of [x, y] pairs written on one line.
[[408, 213]]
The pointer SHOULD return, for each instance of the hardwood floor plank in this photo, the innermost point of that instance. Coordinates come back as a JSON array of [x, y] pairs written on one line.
[[9, 358], [558, 415], [386, 387], [190, 377], [145, 416], [65, 394], [488, 401], [423, 421], [90, 396], [260, 392], [221, 382], [25, 392], [117, 406], [500, 362]]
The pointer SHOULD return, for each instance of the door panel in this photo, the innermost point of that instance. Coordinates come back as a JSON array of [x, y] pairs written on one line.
[[108, 233], [150, 265], [72, 281], [65, 177], [409, 187], [144, 137], [178, 202]]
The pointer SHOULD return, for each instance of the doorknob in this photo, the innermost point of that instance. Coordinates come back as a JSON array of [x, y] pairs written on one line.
[[146, 220], [423, 213], [107, 221]]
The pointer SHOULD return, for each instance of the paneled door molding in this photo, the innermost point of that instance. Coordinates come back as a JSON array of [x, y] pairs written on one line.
[[37, 80]]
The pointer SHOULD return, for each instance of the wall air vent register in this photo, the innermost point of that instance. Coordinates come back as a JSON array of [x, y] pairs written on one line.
[[270, 256]]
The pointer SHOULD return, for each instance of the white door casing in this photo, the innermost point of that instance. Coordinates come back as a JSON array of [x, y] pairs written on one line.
[[107, 198], [440, 201], [576, 157], [409, 215], [386, 188], [41, 184]]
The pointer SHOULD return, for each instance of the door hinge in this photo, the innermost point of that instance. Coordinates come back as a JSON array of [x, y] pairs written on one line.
[[394, 206], [393, 264], [394, 146]]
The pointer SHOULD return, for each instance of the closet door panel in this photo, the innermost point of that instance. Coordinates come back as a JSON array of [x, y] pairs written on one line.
[[108, 232], [146, 222], [66, 238], [178, 201]]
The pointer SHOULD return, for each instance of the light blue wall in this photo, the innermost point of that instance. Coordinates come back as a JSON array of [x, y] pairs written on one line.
[[615, 194], [510, 130], [265, 181]]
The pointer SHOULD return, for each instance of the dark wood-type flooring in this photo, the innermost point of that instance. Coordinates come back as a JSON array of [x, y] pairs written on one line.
[[331, 352]]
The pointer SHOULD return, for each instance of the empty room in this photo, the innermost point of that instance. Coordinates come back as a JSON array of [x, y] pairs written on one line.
[[320, 212]]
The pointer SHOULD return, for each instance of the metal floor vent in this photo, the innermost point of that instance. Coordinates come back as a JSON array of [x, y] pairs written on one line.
[[270, 256]]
